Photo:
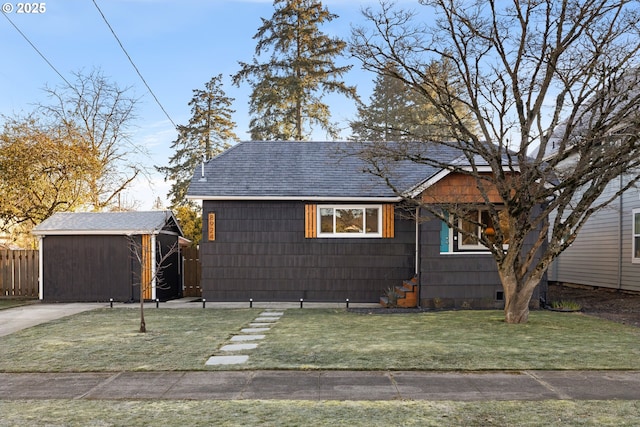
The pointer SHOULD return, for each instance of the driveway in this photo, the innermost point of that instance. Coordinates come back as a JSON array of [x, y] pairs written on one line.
[[26, 316]]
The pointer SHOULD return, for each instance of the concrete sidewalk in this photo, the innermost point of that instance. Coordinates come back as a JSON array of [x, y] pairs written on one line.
[[325, 385]]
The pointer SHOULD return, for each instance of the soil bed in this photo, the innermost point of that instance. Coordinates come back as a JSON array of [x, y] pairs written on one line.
[[610, 304]]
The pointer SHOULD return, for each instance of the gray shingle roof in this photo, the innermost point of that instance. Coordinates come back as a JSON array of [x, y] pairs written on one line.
[[300, 170], [108, 223]]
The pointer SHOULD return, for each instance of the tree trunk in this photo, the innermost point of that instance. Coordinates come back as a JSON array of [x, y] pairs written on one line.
[[517, 297], [516, 307], [143, 325]]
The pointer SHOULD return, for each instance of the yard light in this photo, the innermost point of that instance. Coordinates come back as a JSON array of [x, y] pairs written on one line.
[[157, 302], [347, 302], [204, 302], [250, 302], [111, 302], [301, 301]]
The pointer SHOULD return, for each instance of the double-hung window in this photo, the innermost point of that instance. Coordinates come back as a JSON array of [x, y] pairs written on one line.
[[635, 254]]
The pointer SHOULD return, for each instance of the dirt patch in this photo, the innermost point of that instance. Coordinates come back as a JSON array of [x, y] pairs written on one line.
[[611, 304]]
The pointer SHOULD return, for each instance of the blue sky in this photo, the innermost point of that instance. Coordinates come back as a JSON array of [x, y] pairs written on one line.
[[177, 45]]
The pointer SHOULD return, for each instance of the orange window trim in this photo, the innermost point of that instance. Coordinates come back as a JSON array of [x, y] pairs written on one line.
[[311, 221], [388, 216], [145, 266]]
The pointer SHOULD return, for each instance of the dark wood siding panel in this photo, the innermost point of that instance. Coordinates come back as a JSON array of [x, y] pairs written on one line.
[[171, 278], [86, 268], [261, 252], [456, 276]]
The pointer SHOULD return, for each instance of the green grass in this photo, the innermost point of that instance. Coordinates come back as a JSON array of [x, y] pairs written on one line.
[[183, 339], [108, 340], [452, 340], [311, 413], [17, 302]]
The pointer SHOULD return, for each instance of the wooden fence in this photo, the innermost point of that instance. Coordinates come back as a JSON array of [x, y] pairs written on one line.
[[18, 273], [192, 272]]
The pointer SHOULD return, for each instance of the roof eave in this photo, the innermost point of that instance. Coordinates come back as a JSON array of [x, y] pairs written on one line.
[[384, 199]]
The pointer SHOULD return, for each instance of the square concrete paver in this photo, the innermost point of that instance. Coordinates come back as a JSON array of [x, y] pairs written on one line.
[[261, 325], [266, 319], [253, 330], [238, 347], [247, 337], [227, 360], [272, 313]]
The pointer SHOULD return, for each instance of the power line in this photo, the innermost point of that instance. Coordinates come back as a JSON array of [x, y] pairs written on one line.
[[134, 65], [36, 49]]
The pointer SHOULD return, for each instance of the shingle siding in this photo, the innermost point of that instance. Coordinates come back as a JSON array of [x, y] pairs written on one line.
[[261, 252], [455, 278]]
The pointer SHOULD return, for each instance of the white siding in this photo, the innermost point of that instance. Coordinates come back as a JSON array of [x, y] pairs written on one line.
[[601, 254]]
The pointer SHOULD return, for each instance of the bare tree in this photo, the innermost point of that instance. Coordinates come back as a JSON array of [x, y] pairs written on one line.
[[552, 88], [99, 113], [151, 269]]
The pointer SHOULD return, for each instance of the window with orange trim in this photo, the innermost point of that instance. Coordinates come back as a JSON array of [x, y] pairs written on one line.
[[349, 221]]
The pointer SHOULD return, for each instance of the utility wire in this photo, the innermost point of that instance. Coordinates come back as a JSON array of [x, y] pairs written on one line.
[[36, 49], [134, 65]]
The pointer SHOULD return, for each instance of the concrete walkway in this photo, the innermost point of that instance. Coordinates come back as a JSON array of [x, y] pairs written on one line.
[[325, 385]]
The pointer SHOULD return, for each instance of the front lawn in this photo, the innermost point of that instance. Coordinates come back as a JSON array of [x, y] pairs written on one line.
[[183, 339], [310, 413]]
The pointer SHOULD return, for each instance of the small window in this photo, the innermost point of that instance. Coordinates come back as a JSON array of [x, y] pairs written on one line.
[[350, 221], [636, 237], [477, 223]]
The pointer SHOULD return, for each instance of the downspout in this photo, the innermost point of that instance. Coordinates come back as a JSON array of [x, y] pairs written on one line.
[[417, 253], [620, 243], [40, 268]]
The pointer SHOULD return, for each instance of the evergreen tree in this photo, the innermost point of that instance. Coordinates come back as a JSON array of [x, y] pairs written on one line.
[[286, 102], [208, 133], [398, 112]]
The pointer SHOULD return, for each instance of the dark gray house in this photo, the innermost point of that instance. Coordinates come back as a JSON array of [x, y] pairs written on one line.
[[284, 221], [88, 256]]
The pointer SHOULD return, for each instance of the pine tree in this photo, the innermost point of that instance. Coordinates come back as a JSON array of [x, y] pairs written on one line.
[[208, 133], [399, 112], [286, 101]]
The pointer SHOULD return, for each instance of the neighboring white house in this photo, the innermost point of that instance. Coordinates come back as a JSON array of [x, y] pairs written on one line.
[[606, 252]]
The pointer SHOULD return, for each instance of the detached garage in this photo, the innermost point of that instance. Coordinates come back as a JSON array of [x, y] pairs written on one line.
[[87, 256]]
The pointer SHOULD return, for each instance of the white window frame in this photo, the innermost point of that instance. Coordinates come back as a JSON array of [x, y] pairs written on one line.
[[634, 259], [478, 246], [358, 235]]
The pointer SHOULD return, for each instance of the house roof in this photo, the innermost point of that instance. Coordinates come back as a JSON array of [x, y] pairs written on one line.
[[108, 223], [280, 170]]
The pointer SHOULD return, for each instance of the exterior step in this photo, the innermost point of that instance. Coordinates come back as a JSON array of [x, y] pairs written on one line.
[[407, 295]]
